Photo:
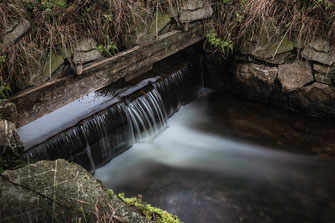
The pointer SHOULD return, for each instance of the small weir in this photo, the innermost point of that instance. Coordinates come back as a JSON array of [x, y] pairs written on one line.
[[129, 114]]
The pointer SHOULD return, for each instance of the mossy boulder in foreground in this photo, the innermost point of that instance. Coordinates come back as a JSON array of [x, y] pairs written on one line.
[[58, 191]]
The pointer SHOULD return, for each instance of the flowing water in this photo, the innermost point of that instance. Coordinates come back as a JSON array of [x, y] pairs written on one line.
[[93, 130], [227, 160]]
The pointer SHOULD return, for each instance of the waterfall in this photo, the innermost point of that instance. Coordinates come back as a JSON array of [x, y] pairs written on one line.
[[146, 115], [94, 141], [98, 139]]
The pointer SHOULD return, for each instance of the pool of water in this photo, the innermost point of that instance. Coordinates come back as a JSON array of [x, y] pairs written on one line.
[[228, 160]]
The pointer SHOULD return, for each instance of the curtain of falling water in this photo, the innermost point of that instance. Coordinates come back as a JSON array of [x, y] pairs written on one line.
[[96, 140]]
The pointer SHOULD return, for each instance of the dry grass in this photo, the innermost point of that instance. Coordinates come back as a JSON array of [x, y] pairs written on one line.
[[57, 26], [299, 18], [61, 24]]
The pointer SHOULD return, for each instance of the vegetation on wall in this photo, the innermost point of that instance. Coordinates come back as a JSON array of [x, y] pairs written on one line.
[[60, 24], [235, 20]]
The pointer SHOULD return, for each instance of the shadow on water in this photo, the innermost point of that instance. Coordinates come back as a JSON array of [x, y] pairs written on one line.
[[228, 160]]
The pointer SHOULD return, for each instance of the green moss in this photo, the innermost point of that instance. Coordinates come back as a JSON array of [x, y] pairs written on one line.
[[52, 64], [162, 21], [150, 212], [281, 46], [110, 193], [11, 162]]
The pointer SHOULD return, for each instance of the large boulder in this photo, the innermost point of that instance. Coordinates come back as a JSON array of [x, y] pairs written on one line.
[[294, 76], [86, 51], [257, 80], [316, 100], [57, 190], [319, 50], [15, 30]]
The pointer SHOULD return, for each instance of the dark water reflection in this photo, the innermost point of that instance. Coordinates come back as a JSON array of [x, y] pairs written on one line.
[[227, 160]]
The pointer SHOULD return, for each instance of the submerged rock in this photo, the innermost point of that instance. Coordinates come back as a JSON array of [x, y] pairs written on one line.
[[257, 80], [294, 76], [49, 190]]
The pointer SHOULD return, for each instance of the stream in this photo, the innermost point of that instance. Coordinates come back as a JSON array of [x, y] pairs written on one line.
[[222, 159]]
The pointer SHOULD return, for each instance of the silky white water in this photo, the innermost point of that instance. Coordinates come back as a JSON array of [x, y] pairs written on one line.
[[197, 168]]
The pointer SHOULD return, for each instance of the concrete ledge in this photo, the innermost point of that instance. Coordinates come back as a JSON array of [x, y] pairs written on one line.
[[39, 101]]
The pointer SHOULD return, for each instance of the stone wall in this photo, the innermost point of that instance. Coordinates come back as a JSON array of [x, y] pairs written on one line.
[[42, 65], [291, 74]]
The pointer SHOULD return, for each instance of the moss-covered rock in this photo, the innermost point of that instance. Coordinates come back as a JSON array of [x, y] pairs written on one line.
[[8, 111], [39, 70], [11, 147], [53, 62], [145, 26], [263, 47], [162, 20], [9, 139], [49, 190]]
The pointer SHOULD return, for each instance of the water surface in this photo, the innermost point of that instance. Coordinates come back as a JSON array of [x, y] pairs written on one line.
[[226, 160]]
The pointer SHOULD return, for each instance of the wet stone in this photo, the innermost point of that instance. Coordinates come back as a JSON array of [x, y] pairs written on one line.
[[257, 80], [315, 100]]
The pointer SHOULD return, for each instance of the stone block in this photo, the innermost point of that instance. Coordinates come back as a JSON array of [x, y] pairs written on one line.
[[316, 100], [15, 30], [262, 47], [86, 51], [319, 50], [257, 80], [294, 76], [187, 16]]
